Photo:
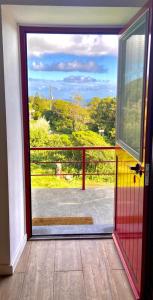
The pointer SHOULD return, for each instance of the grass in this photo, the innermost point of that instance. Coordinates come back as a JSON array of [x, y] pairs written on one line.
[[58, 182], [124, 180], [62, 182]]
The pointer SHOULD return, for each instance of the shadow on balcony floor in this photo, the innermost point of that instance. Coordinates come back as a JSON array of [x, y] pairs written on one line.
[[97, 203]]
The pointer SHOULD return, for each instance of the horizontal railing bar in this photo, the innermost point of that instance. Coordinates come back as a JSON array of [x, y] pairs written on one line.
[[101, 161], [55, 162], [66, 174], [75, 148], [83, 162], [70, 162], [77, 161], [98, 174]]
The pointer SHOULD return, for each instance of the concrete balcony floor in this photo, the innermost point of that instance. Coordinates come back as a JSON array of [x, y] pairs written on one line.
[[97, 203]]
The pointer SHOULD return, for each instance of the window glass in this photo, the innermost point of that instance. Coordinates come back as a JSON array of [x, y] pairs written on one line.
[[131, 92]]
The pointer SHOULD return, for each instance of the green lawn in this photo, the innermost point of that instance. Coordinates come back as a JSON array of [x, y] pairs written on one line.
[[59, 182], [62, 182]]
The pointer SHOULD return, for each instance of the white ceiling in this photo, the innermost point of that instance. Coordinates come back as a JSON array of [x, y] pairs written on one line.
[[70, 15], [92, 3]]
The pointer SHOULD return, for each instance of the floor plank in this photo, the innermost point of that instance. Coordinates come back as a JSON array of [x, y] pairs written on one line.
[[89, 252], [23, 262], [69, 286], [42, 256], [112, 256], [96, 283], [67, 256], [11, 287], [119, 285], [108, 251], [38, 285]]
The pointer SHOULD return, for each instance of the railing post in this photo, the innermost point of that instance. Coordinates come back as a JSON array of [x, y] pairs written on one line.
[[83, 169]]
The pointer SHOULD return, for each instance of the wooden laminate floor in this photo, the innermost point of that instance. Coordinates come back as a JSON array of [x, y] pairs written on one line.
[[67, 270]]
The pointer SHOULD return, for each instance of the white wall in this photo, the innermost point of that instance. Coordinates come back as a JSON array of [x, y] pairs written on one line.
[[14, 130], [4, 212]]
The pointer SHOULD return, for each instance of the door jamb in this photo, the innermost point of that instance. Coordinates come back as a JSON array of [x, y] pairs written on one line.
[[23, 30]]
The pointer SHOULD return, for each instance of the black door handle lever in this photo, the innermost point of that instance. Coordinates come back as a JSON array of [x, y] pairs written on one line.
[[137, 169]]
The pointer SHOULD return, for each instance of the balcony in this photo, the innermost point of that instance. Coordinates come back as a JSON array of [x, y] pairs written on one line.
[[78, 202]]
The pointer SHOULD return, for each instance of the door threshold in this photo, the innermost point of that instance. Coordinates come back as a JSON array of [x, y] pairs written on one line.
[[71, 237], [72, 230]]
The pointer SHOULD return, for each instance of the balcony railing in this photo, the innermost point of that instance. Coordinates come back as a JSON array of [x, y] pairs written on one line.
[[83, 162]]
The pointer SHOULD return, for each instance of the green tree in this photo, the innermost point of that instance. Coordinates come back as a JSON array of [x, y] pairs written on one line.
[[39, 133], [67, 117], [103, 115], [92, 108], [37, 106], [93, 104]]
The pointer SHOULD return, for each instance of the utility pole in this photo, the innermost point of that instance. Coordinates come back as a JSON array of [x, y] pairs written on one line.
[[50, 93], [50, 96]]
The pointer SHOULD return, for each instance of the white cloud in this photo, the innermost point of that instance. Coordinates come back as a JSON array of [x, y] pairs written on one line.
[[75, 65], [37, 66], [39, 44]]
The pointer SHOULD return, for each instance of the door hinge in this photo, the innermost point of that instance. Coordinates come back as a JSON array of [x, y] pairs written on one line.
[[147, 174]]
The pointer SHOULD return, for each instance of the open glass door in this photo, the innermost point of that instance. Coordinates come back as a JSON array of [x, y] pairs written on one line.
[[131, 129]]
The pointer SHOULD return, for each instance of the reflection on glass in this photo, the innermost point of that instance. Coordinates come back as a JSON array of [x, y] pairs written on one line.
[[132, 88]]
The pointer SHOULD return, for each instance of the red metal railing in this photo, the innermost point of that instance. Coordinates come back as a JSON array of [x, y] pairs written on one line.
[[83, 161]]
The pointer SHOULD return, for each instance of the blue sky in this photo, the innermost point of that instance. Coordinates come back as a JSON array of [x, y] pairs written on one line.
[[67, 65]]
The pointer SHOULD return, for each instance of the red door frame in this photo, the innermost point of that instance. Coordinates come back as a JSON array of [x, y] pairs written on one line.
[[146, 245], [23, 30]]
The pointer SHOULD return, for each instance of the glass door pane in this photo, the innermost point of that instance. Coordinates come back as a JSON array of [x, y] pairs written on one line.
[[133, 47]]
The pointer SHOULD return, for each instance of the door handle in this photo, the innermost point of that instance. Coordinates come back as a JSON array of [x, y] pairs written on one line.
[[137, 168]]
